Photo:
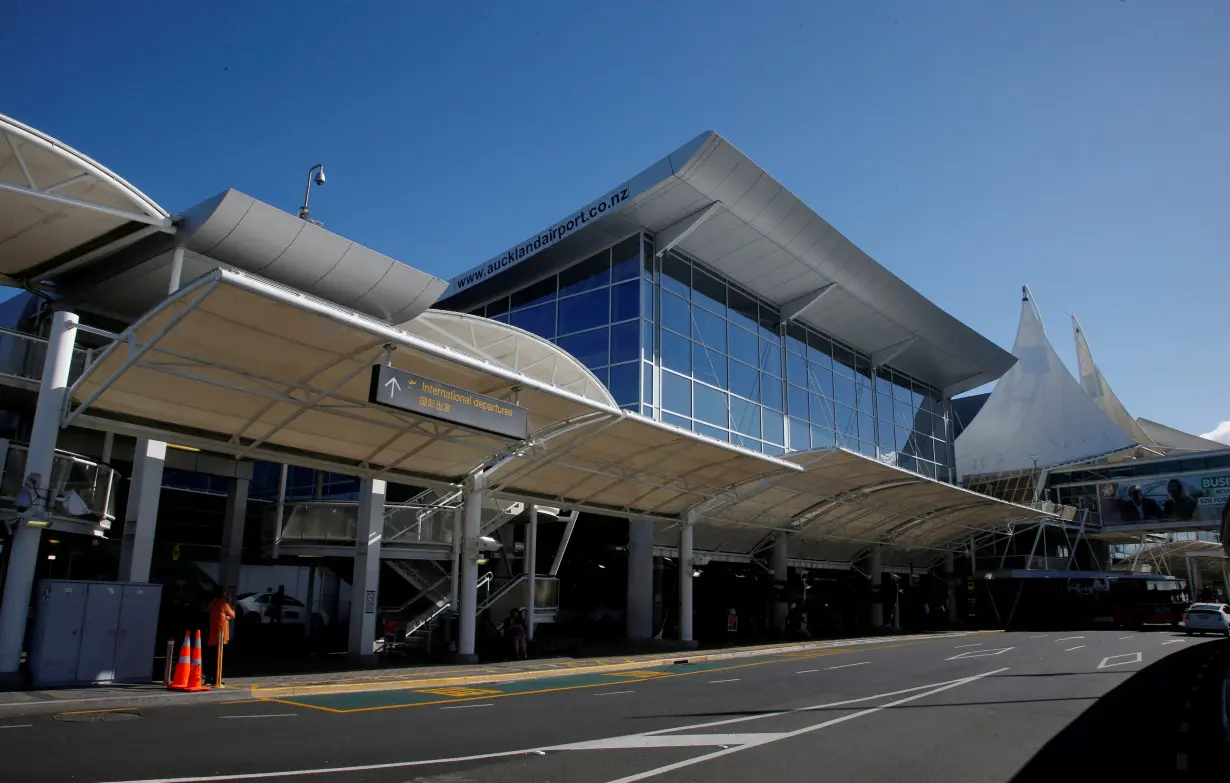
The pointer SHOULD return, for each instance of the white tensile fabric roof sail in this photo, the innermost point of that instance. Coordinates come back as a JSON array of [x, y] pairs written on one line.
[[1038, 414], [1095, 385]]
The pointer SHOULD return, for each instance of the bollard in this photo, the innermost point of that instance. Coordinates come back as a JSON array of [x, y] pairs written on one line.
[[166, 674]]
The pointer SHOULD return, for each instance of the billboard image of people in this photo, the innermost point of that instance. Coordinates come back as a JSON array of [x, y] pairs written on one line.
[[1189, 498]]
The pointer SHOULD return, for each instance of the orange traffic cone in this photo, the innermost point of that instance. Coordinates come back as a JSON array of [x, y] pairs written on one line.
[[196, 682], [183, 667]]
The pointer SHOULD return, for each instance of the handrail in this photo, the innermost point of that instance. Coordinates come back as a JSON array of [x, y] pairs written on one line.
[[504, 590], [428, 591]]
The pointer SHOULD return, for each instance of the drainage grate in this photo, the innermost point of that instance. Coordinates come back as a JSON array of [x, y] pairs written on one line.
[[96, 717]]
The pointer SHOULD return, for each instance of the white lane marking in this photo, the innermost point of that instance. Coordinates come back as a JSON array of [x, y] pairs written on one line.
[[847, 665], [979, 653], [467, 706], [1077, 647], [653, 773], [1069, 638], [613, 693], [715, 682], [1121, 638], [263, 715], [1131, 658], [920, 690], [963, 646], [18, 726], [808, 671], [1175, 641], [1040, 636], [676, 741]]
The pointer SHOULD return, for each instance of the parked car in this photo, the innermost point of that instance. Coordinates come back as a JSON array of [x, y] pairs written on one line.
[[257, 609], [1207, 618]]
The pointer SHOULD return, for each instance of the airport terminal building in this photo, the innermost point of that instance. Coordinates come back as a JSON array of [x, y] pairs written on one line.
[[692, 372]]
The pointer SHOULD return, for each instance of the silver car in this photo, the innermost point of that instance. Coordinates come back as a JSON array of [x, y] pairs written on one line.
[[1207, 618]]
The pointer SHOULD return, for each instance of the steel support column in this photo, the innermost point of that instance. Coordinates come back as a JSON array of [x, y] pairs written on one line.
[[531, 570], [639, 625], [781, 575], [141, 517], [231, 558], [875, 570], [685, 583], [467, 608], [365, 586]]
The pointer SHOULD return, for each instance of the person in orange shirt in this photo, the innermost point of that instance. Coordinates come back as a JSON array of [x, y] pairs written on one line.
[[220, 615]]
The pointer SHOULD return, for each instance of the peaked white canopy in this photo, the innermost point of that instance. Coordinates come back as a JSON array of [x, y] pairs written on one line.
[[1095, 385], [1038, 414]]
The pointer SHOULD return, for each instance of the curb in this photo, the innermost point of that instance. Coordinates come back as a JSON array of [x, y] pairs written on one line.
[[281, 692], [120, 703]]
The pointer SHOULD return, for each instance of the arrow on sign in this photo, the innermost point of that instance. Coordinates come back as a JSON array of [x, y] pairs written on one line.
[[393, 386]]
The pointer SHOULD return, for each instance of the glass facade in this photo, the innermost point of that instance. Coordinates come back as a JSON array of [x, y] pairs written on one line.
[[677, 342]]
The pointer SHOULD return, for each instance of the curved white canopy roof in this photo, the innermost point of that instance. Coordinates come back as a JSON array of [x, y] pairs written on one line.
[[57, 202]]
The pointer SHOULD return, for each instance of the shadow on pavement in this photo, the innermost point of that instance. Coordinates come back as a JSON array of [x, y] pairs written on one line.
[[1145, 726]]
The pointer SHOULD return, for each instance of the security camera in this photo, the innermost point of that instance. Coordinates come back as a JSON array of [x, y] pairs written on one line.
[[320, 176]]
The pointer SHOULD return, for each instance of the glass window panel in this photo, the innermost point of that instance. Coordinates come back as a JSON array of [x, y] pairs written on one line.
[[770, 357], [796, 339], [866, 427], [743, 310], [922, 448], [709, 365], [885, 407], [820, 380], [709, 329], [770, 326], [677, 421], [677, 353], [862, 372], [847, 441], [887, 441], [902, 439], [821, 411], [904, 414], [625, 301], [647, 255], [626, 383], [647, 384], [744, 346], [626, 342], [676, 314], [586, 311], [866, 400], [800, 435], [647, 410], [744, 380], [843, 360], [676, 393], [796, 369], [773, 451], [847, 421], [676, 275], [901, 387], [648, 309], [774, 427], [710, 404], [502, 318], [647, 350], [751, 444], [745, 417], [626, 258], [924, 423], [601, 374], [927, 469], [593, 272], [708, 291], [796, 401], [542, 291], [843, 390], [941, 452], [771, 391], [713, 432], [867, 448], [819, 349], [540, 320], [590, 347], [498, 307], [907, 462], [822, 438], [884, 381]]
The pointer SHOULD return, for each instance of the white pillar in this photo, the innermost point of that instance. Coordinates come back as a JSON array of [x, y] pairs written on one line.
[[685, 583], [875, 570], [108, 447], [23, 556], [141, 517], [950, 567], [639, 622], [467, 620], [781, 575], [231, 558], [177, 269], [531, 568], [365, 587], [453, 593]]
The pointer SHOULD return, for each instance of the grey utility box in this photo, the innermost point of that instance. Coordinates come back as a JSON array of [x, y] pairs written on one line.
[[93, 632]]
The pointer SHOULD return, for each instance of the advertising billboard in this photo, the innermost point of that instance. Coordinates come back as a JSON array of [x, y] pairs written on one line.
[[1196, 497]]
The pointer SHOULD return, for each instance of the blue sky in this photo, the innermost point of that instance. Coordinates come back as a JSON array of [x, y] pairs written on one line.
[[969, 146]]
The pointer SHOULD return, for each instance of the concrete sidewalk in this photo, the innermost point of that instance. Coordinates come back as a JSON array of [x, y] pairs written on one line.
[[126, 697]]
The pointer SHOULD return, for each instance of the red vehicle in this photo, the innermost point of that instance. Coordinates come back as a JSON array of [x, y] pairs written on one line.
[[1140, 615]]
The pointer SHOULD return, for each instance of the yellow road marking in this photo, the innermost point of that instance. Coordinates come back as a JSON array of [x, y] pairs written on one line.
[[91, 712], [459, 692]]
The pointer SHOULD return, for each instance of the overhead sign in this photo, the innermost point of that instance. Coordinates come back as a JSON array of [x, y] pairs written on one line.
[[405, 391]]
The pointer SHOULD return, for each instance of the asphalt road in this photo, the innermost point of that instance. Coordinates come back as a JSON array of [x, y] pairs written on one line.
[[989, 707]]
